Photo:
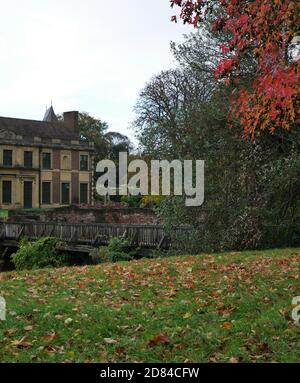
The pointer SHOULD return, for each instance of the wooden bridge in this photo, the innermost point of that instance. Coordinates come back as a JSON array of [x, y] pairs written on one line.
[[95, 234]]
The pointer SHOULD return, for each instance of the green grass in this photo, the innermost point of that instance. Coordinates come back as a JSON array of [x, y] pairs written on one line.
[[208, 308]]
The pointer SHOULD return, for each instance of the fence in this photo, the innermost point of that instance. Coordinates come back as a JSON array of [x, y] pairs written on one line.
[[151, 236]]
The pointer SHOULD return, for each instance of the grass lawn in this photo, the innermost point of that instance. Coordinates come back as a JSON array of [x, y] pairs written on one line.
[[233, 307]]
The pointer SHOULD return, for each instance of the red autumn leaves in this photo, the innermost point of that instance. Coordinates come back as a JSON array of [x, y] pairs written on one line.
[[264, 30]]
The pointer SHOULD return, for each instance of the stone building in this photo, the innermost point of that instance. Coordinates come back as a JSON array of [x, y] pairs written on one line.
[[45, 163]]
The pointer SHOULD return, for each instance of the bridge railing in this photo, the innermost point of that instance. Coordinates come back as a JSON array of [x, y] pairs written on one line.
[[140, 235]]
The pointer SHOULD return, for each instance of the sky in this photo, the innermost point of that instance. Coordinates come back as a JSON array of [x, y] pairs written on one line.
[[85, 55]]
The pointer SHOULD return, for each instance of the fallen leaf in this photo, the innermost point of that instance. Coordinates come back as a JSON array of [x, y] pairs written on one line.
[[10, 332], [226, 325], [139, 328], [159, 339], [50, 337], [22, 343], [120, 350], [233, 360], [68, 321]]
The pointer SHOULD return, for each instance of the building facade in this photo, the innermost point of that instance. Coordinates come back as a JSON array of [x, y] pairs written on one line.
[[44, 164]]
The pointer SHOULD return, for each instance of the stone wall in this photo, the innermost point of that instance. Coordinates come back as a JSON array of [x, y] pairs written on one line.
[[88, 215]]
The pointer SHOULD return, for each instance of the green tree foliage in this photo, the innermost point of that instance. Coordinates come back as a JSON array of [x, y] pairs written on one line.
[[107, 144], [117, 143], [94, 130]]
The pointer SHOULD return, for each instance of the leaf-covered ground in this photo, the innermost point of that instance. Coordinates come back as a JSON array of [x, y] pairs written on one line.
[[233, 307]]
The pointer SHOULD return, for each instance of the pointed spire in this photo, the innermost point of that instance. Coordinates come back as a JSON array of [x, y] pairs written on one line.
[[50, 116]]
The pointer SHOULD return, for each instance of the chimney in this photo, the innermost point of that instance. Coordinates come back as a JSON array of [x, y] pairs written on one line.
[[71, 122]]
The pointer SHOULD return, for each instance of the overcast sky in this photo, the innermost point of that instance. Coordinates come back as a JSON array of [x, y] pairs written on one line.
[[86, 55]]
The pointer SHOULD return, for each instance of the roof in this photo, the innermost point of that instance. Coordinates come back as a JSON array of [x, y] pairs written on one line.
[[50, 116], [43, 129]]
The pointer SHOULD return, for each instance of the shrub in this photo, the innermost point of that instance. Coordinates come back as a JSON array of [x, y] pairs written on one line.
[[132, 200], [3, 214], [120, 249], [39, 254], [152, 200], [100, 255]]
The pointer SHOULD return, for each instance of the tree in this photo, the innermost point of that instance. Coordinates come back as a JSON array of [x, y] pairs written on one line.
[[175, 111], [264, 30], [117, 143], [107, 144], [183, 113], [164, 110], [94, 130]]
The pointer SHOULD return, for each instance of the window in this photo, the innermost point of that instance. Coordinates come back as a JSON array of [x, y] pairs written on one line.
[[27, 159], [7, 157], [84, 193], [6, 192], [84, 162], [46, 160], [46, 193], [65, 193]]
